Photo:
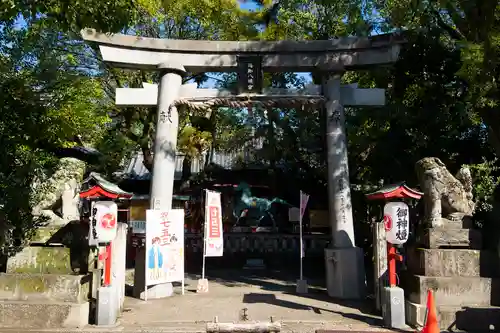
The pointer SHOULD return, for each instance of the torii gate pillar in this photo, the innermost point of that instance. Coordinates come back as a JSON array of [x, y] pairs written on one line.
[[344, 261], [162, 180], [165, 144]]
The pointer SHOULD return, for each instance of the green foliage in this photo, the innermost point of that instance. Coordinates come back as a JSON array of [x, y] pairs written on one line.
[[47, 100], [73, 15], [442, 95], [486, 180]]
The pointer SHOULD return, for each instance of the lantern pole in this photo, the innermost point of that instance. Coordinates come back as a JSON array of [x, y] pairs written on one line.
[[392, 257]]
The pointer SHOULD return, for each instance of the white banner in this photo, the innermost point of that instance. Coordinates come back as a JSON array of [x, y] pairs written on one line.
[[213, 225], [304, 198], [164, 246]]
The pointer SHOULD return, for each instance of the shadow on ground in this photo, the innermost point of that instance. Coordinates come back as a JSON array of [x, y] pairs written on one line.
[[276, 282], [271, 299]]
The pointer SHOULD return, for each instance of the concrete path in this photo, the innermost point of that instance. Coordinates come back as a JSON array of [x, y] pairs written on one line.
[[236, 296]]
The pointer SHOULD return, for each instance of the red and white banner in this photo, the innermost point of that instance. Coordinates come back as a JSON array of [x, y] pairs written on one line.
[[214, 239]]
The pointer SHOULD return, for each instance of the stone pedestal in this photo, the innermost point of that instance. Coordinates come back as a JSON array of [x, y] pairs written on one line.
[[393, 307], [464, 278], [37, 300], [202, 286], [107, 306], [302, 287]]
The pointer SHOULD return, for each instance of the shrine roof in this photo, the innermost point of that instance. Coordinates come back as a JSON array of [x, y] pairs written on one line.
[[398, 190], [174, 197], [95, 179]]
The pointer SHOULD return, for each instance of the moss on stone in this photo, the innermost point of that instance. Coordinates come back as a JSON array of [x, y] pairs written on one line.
[[33, 284], [47, 260], [54, 260], [8, 282], [43, 234]]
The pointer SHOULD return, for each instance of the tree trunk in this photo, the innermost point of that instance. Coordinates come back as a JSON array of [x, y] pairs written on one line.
[[271, 140], [211, 154], [186, 172], [147, 158], [491, 119], [186, 168]]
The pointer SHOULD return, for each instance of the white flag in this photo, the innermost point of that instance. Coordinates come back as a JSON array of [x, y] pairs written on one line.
[[304, 198]]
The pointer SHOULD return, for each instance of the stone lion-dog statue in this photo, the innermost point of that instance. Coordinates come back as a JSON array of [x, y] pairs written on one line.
[[445, 197]]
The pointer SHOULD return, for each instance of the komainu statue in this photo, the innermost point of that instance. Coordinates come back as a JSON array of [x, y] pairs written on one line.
[[445, 196], [59, 192]]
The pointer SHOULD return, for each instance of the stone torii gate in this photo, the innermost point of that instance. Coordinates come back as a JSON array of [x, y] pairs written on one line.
[[173, 58]]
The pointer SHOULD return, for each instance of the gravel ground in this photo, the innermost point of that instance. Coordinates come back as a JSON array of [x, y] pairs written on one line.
[[255, 296]]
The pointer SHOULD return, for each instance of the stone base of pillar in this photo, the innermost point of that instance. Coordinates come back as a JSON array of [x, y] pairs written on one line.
[[157, 291], [302, 287], [107, 306], [345, 273], [202, 286], [393, 307]]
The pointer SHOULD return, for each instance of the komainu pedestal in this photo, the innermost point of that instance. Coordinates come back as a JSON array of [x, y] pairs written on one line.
[[448, 257]]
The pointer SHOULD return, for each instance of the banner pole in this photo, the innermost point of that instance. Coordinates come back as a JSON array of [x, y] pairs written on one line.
[[300, 236], [204, 237], [145, 267]]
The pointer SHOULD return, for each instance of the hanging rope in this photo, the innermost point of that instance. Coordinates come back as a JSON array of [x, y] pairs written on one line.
[[244, 101]]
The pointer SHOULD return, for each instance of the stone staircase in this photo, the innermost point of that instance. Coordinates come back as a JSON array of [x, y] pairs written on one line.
[[40, 288], [464, 278]]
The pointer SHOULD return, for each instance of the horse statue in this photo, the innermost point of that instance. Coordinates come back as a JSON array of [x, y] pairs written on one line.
[[260, 207]]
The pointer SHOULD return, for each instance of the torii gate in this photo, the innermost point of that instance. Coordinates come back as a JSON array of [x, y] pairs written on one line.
[[173, 58]]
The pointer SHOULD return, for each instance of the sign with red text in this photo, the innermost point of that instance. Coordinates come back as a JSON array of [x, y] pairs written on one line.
[[103, 222], [214, 239], [164, 246]]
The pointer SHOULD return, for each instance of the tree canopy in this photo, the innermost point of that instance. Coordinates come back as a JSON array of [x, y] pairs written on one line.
[[442, 94]]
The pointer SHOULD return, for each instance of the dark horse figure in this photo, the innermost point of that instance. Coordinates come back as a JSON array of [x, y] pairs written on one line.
[[260, 207]]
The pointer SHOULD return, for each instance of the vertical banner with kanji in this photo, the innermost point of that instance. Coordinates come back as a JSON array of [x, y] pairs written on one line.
[[164, 246], [214, 239]]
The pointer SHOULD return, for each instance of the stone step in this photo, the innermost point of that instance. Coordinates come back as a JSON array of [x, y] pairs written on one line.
[[44, 287], [41, 315], [436, 238], [453, 262], [457, 318], [456, 291]]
